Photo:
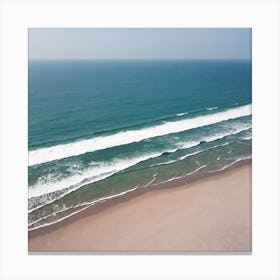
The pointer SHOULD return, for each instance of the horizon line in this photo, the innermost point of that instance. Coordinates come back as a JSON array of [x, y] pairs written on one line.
[[137, 59]]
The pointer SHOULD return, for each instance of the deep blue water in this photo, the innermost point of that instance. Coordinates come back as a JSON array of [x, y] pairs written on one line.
[[101, 128]]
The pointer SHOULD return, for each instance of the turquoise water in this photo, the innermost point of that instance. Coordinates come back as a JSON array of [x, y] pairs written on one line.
[[99, 129]]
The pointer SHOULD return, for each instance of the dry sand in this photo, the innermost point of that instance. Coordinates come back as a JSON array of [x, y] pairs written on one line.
[[212, 214]]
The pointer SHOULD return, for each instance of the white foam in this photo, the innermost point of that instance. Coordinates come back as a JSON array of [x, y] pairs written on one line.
[[246, 138], [182, 114], [87, 176], [229, 152], [180, 177], [87, 205], [212, 108], [232, 163], [148, 184], [230, 131], [163, 163], [199, 168], [43, 155], [201, 151], [238, 128], [192, 154]]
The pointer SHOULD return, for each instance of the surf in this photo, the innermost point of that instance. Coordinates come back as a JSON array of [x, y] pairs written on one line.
[[46, 186], [77, 148]]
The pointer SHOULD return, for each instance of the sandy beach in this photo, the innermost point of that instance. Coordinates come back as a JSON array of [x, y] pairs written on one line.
[[212, 214]]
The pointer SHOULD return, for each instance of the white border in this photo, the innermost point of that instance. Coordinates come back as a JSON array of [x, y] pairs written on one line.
[[262, 16]]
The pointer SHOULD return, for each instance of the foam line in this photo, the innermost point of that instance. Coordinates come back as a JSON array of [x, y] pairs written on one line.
[[215, 137], [182, 114], [184, 176], [57, 152], [70, 215], [89, 175], [232, 163], [163, 163], [212, 108]]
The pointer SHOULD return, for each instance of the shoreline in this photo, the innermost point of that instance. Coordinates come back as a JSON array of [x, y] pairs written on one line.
[[51, 232], [95, 208]]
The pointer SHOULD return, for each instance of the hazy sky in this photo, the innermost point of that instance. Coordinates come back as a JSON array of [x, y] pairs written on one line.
[[139, 43]]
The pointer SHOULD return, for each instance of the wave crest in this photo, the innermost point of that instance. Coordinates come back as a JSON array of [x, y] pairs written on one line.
[[57, 152]]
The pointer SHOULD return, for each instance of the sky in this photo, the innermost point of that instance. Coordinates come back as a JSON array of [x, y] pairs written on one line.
[[139, 43]]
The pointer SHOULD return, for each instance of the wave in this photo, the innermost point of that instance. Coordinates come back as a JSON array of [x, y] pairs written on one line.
[[87, 176], [211, 108], [205, 140], [246, 138], [233, 131], [46, 185], [232, 163], [163, 163], [87, 205], [182, 114], [181, 177], [201, 151], [188, 155], [196, 170], [48, 154]]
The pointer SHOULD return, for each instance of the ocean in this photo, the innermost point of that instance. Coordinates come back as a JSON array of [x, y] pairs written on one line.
[[101, 129]]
